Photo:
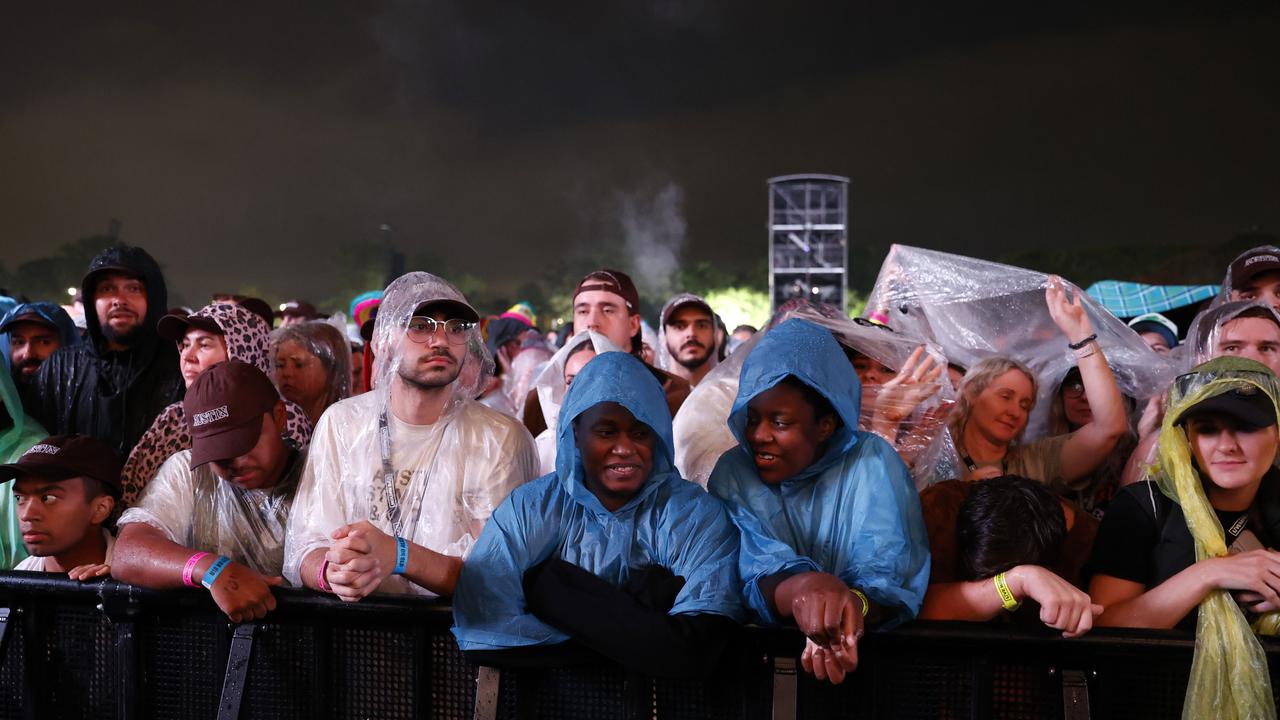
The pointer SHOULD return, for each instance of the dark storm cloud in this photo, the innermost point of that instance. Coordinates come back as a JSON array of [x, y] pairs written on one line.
[[247, 145]]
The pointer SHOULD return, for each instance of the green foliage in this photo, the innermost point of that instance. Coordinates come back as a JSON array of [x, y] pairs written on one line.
[[739, 305], [49, 277]]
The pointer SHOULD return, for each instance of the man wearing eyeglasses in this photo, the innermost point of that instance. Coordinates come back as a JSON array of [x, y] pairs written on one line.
[[400, 480]]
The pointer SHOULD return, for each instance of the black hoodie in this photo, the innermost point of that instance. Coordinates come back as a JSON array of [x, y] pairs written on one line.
[[113, 396]]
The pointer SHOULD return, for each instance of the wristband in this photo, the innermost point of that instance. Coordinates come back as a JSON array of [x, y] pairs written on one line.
[[214, 571], [402, 556], [1006, 595], [320, 581], [1085, 351], [862, 597], [1082, 343], [189, 568]]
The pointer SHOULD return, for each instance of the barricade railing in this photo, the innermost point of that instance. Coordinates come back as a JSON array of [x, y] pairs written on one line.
[[105, 650]]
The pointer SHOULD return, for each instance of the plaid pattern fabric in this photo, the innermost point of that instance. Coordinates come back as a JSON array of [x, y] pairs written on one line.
[[1130, 299]]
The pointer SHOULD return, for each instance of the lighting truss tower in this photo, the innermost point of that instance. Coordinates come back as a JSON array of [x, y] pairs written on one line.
[[808, 236]]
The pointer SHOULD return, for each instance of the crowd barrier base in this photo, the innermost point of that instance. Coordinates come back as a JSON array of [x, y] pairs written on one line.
[[108, 650]]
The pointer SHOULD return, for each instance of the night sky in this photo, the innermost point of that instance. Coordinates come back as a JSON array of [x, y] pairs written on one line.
[[246, 145]]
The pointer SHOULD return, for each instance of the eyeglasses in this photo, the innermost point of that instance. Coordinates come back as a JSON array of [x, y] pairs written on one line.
[[421, 329], [1073, 390]]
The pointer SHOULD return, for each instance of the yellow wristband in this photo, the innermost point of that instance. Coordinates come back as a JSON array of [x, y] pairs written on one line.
[[866, 604], [1006, 595]]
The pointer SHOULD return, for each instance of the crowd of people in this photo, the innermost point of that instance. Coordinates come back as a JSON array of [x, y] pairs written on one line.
[[986, 444]]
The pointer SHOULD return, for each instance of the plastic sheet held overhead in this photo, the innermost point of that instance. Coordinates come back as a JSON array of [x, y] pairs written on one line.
[[1229, 674], [975, 309], [551, 387], [668, 522], [449, 476], [701, 426]]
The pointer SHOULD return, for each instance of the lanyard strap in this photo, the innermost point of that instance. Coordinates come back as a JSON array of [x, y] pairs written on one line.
[[389, 475], [1237, 528]]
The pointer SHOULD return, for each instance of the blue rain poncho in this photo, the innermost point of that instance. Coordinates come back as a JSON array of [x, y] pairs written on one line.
[[853, 513], [670, 522], [68, 333]]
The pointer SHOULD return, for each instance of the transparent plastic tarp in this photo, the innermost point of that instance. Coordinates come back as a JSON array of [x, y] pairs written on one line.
[[975, 309]]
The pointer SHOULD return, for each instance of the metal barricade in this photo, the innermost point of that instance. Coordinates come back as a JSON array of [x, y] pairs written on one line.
[[108, 650]]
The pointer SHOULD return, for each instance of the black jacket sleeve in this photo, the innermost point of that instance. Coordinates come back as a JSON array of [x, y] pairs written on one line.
[[628, 625]]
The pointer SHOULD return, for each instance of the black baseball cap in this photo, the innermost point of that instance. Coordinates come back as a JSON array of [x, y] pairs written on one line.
[[61, 457]]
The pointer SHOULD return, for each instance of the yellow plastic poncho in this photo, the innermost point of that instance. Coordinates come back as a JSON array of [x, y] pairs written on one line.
[[1229, 676]]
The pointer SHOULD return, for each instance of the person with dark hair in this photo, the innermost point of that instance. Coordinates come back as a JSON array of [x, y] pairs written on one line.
[[113, 386], [30, 333], [829, 518], [613, 551], [606, 301], [1255, 275], [18, 432], [998, 542], [687, 338], [64, 490], [215, 515], [1008, 521], [400, 481], [1157, 331], [213, 334]]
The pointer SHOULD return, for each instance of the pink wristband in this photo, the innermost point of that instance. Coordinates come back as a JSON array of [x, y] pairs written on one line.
[[324, 585], [190, 568]]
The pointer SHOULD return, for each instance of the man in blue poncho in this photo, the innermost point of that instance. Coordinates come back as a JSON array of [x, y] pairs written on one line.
[[832, 535], [614, 553], [30, 333]]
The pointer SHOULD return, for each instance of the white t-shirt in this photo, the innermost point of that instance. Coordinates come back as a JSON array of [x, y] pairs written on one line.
[[36, 564], [450, 476]]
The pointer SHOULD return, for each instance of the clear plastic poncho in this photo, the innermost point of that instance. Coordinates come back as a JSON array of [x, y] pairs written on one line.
[[199, 510], [551, 390], [854, 512], [328, 344], [1229, 674], [1206, 332], [701, 428], [449, 475], [669, 522], [976, 309]]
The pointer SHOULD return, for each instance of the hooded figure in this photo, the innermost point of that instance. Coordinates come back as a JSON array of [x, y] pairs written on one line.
[[50, 313], [853, 513], [669, 523], [113, 395], [245, 335], [551, 388], [446, 476], [17, 434]]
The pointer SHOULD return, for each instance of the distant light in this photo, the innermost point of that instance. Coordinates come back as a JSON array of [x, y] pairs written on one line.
[[815, 291], [283, 306], [71, 291]]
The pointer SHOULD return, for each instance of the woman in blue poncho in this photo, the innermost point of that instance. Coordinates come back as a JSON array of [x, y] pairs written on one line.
[[832, 535], [614, 553]]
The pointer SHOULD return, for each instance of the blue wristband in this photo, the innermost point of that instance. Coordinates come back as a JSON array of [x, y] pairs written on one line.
[[214, 571], [402, 556]]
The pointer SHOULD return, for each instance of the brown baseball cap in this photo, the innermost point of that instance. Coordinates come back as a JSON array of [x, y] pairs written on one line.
[[62, 457], [682, 300], [1253, 263], [224, 408], [613, 281]]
